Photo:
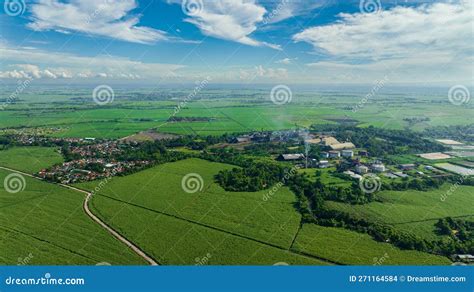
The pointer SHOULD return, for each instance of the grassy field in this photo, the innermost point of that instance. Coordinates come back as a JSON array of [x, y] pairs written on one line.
[[352, 248], [45, 225], [326, 176], [159, 189], [174, 241], [29, 159], [415, 211], [76, 115], [237, 227]]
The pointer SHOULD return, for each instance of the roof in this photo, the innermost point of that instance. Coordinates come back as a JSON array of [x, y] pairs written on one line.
[[330, 140], [292, 156], [449, 142], [340, 146], [465, 256], [313, 141]]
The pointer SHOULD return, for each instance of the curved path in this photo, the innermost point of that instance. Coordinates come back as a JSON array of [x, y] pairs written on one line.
[[89, 213]]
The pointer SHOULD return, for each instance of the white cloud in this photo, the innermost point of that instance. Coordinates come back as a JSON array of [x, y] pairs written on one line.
[[400, 32], [259, 72], [233, 20], [109, 18], [37, 63], [429, 41], [286, 61], [284, 9]]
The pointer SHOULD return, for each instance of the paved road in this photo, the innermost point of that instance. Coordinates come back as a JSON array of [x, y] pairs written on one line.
[[89, 213]]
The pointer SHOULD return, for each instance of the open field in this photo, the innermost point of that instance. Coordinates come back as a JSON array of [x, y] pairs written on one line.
[[76, 115], [326, 176], [352, 248], [30, 159], [159, 190], [415, 211], [234, 227], [455, 168], [45, 224], [173, 241]]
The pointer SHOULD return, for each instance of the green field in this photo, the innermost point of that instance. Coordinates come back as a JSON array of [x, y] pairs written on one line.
[[415, 211], [158, 189], [45, 225], [29, 159], [352, 248], [237, 227], [326, 176], [76, 115], [173, 241]]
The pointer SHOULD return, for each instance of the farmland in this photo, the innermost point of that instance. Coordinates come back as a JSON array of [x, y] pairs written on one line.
[[159, 189], [173, 241], [415, 211], [352, 248], [29, 159], [77, 116], [138, 182], [45, 224]]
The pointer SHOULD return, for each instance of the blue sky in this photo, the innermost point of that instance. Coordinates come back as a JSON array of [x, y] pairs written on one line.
[[238, 41]]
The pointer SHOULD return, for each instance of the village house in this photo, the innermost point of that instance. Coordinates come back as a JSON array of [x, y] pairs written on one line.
[[323, 164], [361, 169], [291, 157], [465, 258], [406, 166], [378, 167], [334, 154], [347, 153]]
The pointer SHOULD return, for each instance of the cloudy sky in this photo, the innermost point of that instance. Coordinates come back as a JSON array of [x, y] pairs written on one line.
[[238, 41]]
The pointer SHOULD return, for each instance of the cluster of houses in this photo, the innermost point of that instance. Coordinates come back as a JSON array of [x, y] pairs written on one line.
[[96, 158], [104, 149], [31, 140], [79, 171]]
